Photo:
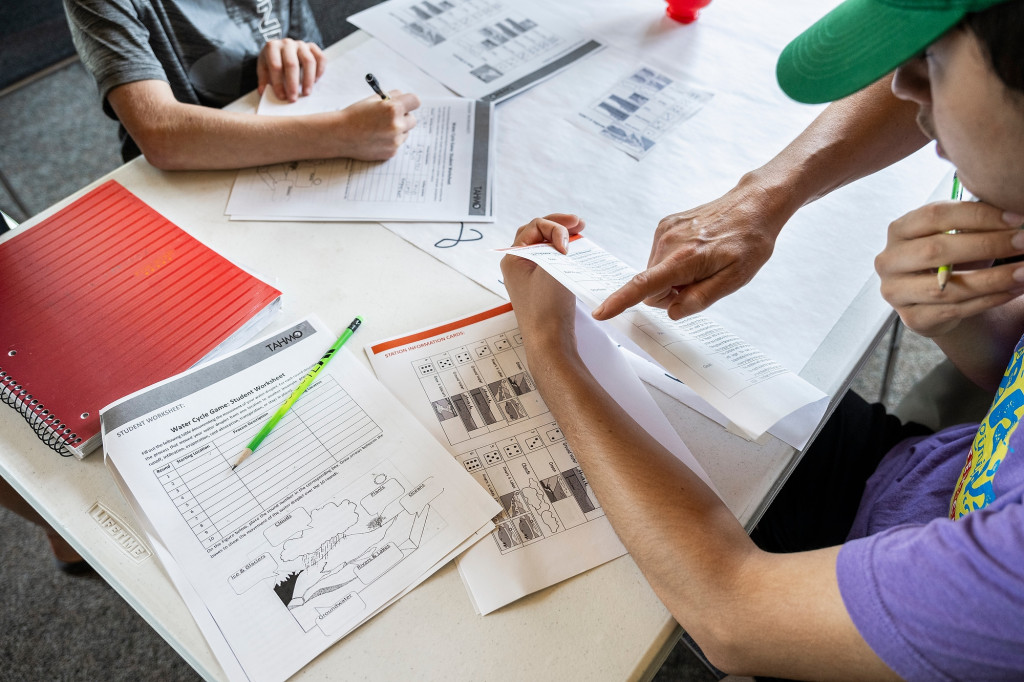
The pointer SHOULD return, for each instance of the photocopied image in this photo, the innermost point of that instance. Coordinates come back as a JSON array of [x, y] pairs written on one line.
[[639, 109]]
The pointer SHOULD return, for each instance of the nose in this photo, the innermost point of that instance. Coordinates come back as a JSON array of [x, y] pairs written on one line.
[[910, 82]]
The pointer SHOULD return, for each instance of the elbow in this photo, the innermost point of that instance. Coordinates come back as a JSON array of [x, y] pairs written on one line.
[[161, 151], [722, 647]]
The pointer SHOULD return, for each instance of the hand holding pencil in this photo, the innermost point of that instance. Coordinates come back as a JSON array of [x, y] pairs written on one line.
[[297, 393], [986, 236]]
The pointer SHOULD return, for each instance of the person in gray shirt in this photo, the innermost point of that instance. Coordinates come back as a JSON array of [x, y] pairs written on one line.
[[165, 67]]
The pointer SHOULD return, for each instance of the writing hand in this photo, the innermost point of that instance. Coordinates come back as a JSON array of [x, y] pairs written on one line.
[[290, 67], [374, 129]]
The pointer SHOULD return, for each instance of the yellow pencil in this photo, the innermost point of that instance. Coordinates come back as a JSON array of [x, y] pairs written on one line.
[[946, 270]]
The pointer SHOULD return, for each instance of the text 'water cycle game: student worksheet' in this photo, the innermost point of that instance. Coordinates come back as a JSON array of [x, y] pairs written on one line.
[[345, 506]]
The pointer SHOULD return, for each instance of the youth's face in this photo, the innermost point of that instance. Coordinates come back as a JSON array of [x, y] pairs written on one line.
[[976, 121]]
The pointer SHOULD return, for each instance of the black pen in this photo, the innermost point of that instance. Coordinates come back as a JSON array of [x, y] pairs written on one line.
[[372, 80]]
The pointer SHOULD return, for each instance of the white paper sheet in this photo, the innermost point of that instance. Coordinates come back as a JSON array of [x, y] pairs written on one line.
[[344, 82], [441, 172], [546, 164], [304, 185], [345, 505], [468, 382], [481, 49], [795, 428], [640, 108], [734, 376]]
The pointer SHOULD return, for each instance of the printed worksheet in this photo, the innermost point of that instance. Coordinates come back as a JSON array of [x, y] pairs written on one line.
[[481, 49], [635, 112], [733, 376], [469, 384], [441, 172], [344, 507]]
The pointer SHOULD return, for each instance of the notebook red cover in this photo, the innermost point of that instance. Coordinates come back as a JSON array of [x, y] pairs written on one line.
[[103, 298]]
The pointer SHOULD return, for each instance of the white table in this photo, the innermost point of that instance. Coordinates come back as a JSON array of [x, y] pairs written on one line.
[[606, 624]]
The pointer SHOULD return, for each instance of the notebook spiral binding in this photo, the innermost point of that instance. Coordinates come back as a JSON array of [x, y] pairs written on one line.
[[54, 432]]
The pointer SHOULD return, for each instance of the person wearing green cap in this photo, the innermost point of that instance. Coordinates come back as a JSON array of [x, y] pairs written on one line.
[[892, 552]]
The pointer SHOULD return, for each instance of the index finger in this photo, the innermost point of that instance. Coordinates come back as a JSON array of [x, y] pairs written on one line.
[[963, 216], [272, 57], [406, 100], [308, 66], [554, 228], [321, 61], [653, 283]]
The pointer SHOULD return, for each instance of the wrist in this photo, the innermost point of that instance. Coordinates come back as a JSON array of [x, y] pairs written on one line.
[[551, 349], [319, 136], [776, 197]]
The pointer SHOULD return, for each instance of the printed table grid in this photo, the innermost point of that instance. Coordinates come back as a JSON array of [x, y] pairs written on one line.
[[319, 432]]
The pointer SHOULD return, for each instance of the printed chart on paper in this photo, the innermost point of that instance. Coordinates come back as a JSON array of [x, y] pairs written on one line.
[[484, 390]]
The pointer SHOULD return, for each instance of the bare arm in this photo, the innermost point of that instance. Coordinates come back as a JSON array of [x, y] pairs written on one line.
[[177, 136], [750, 611], [708, 252]]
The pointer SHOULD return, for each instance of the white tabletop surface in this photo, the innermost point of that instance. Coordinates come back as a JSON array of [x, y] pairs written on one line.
[[605, 624]]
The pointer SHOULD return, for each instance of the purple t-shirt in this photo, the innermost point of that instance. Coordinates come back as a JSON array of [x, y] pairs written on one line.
[[933, 570]]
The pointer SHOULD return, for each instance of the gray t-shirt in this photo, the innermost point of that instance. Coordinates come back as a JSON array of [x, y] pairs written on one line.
[[205, 49]]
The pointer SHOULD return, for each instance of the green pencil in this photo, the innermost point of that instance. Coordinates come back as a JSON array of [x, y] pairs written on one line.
[[297, 393], [946, 270]]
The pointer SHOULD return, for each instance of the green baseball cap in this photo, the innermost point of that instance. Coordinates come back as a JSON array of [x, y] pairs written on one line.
[[862, 40]]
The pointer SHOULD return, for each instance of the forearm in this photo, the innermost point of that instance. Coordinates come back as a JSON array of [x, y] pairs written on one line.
[[751, 612], [177, 136], [682, 536], [189, 137], [852, 138]]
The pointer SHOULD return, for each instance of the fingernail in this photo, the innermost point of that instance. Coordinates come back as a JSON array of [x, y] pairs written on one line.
[[1018, 275], [1018, 241], [565, 242], [1013, 219], [596, 312]]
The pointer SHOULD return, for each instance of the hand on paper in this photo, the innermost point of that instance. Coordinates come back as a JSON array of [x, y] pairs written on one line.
[[702, 255], [544, 308], [555, 228], [290, 67], [918, 244], [374, 129]]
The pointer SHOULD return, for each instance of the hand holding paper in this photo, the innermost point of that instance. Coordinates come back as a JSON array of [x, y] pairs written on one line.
[[748, 387]]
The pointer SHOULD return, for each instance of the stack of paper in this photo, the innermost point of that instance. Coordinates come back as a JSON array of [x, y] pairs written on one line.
[[347, 505]]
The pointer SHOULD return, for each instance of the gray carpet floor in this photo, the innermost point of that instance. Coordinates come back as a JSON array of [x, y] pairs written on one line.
[[54, 140]]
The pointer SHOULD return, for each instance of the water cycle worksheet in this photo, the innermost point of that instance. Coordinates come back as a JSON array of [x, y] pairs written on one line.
[[346, 505], [468, 382], [441, 172]]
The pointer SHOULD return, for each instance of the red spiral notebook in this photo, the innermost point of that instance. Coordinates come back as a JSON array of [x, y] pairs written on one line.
[[105, 297]]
